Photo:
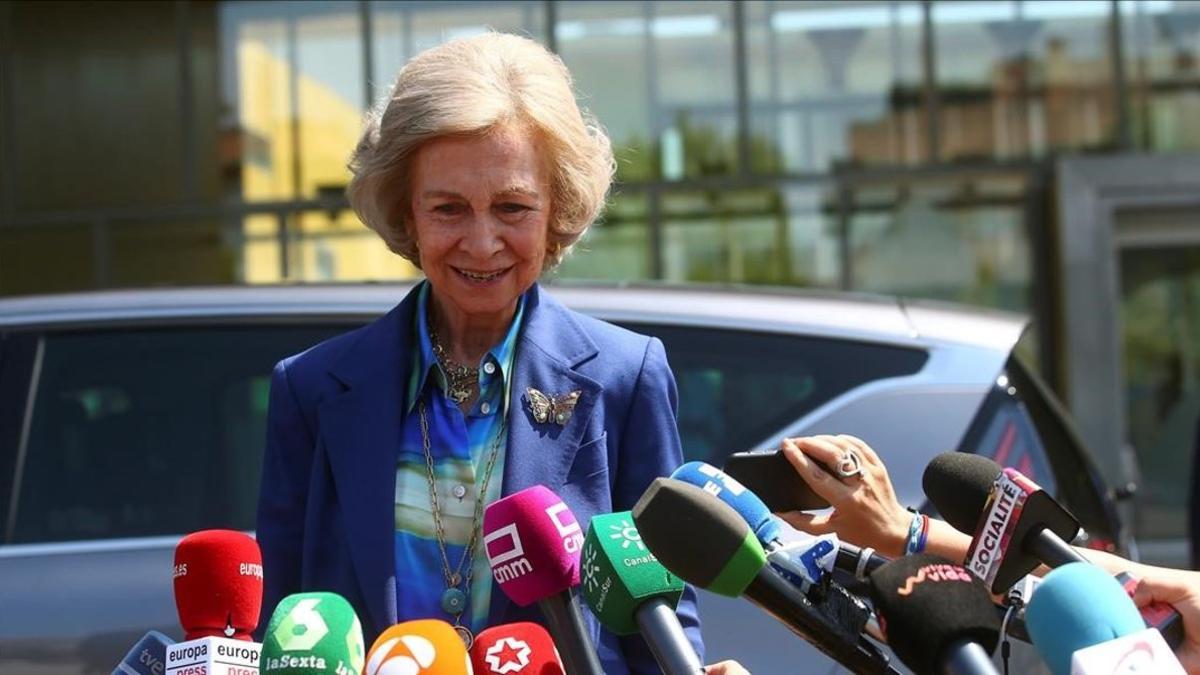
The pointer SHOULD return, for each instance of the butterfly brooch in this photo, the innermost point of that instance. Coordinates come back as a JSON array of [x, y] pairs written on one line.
[[557, 409]]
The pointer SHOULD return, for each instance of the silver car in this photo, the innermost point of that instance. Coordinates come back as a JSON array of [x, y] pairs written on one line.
[[130, 418]]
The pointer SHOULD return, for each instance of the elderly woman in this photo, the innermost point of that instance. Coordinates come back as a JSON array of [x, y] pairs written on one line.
[[385, 444]]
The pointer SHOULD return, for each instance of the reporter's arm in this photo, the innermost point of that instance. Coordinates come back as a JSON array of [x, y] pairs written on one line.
[[867, 513]]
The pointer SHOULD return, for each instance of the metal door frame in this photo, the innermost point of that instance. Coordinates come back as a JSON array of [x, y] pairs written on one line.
[[1092, 191]]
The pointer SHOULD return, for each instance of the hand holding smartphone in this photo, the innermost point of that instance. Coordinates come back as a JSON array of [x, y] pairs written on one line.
[[772, 477]]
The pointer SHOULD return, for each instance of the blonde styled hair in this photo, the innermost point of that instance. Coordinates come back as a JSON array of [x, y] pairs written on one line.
[[472, 86]]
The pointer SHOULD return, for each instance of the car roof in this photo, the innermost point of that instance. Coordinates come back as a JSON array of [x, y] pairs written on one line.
[[871, 317]]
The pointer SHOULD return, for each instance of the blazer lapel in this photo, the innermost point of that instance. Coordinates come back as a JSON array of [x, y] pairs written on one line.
[[551, 344], [361, 430]]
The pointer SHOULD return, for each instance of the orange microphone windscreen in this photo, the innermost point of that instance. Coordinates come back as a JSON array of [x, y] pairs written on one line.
[[424, 647]]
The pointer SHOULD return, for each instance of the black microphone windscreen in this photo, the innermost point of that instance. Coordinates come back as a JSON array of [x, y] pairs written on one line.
[[958, 484], [694, 534], [928, 604]]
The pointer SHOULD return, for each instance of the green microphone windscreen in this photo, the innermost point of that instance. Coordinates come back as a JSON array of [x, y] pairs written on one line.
[[698, 537], [313, 633], [618, 573]]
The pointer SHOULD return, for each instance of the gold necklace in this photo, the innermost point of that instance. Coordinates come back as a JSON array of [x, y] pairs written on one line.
[[454, 601], [461, 379]]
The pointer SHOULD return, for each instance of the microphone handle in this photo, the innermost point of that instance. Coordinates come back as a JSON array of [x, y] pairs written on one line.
[[659, 625], [849, 560], [967, 658], [1051, 549], [787, 604], [565, 622]]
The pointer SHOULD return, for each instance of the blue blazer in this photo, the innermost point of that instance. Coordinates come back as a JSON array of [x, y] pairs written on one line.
[[325, 511]]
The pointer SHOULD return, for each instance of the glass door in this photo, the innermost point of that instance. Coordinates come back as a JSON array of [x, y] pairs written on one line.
[[1158, 251]]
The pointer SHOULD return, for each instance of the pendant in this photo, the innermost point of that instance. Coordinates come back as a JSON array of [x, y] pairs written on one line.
[[464, 633], [454, 601]]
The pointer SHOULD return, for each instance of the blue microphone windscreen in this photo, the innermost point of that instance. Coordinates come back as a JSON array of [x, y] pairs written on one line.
[[1076, 606], [724, 487], [147, 657]]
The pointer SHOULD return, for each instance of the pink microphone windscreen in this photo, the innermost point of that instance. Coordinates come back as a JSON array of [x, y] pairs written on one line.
[[532, 541]]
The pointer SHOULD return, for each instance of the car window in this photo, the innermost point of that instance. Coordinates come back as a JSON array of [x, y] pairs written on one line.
[[1005, 433], [143, 432], [1021, 425], [736, 388]]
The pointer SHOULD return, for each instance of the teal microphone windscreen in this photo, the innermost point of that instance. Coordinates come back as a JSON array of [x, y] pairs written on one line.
[[1076, 606]]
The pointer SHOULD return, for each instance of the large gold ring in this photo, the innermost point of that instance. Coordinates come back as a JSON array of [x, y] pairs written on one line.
[[849, 465]]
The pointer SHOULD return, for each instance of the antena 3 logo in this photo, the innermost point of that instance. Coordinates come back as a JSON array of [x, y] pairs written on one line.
[[934, 573], [571, 535], [508, 541]]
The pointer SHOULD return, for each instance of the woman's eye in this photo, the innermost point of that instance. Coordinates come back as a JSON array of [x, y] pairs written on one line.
[[448, 209], [512, 207]]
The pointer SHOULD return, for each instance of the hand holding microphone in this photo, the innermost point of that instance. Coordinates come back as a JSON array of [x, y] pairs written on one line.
[[810, 558], [1082, 622], [1181, 590], [708, 544]]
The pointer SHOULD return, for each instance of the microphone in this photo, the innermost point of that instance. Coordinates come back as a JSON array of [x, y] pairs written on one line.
[[1022, 525], [767, 528], [726, 488], [1082, 620], [630, 591], [313, 633], [218, 584], [422, 647], [1016, 524], [148, 656], [218, 579], [524, 648], [532, 541], [937, 616], [707, 543]]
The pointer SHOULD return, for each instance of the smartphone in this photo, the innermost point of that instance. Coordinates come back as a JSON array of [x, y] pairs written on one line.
[[772, 477]]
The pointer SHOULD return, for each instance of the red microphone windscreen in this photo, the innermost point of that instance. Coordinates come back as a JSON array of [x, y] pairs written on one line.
[[532, 541], [218, 584], [524, 648]]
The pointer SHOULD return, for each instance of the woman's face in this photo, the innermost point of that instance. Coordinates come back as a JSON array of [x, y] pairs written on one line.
[[481, 206]]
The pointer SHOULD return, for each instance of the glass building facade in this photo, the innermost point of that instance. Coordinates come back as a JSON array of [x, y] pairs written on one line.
[[904, 147], [882, 146]]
